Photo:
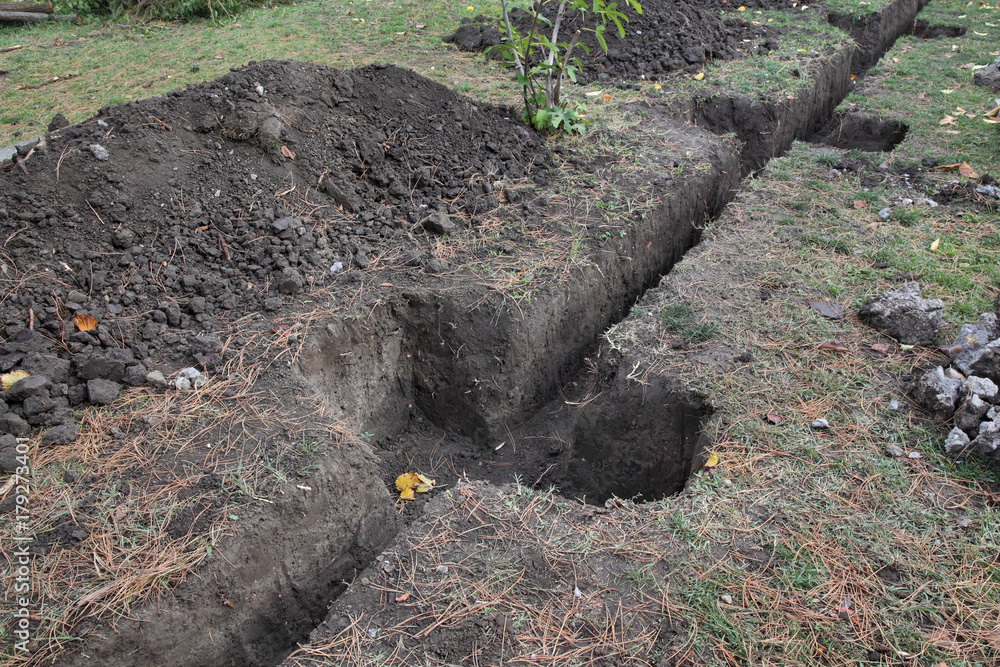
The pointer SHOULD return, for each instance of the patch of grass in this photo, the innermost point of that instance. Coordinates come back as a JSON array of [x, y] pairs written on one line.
[[680, 318]]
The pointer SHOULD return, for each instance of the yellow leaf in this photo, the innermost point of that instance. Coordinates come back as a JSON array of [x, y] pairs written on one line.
[[934, 246], [657, 86], [84, 322], [947, 120], [8, 379], [410, 482], [906, 348], [699, 76], [713, 460]]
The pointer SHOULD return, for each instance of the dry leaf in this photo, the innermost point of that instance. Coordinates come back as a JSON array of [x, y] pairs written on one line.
[[7, 380], [922, 96], [947, 120], [934, 246], [948, 92], [287, 152], [860, 203], [699, 76], [409, 482], [950, 131], [605, 98], [774, 418], [713, 460], [884, 348], [965, 170], [834, 346], [84, 322], [403, 598]]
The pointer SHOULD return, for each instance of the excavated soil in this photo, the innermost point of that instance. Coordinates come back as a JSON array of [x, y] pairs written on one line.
[[669, 35]]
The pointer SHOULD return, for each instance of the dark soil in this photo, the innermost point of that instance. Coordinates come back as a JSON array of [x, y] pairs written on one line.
[[176, 232], [866, 133], [923, 29], [669, 35]]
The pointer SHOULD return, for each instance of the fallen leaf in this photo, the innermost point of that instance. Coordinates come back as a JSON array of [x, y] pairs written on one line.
[[906, 348], [774, 418], [950, 131], [699, 76], [287, 152], [7, 380], [965, 170], [403, 598], [947, 120], [834, 346], [409, 482], [605, 98], [84, 322], [922, 96], [860, 203], [713, 460], [948, 92], [884, 348], [934, 246]]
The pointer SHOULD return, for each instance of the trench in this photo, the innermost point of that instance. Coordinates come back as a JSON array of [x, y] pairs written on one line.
[[455, 390]]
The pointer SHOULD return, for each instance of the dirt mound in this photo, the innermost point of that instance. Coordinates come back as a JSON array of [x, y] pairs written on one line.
[[669, 35], [157, 218]]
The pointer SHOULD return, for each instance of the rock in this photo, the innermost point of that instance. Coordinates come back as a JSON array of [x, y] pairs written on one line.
[[914, 455], [970, 413], [99, 151], [269, 131], [36, 405], [984, 388], [438, 223], [272, 303], [33, 385], [13, 424], [956, 445], [414, 258], [189, 379], [985, 362], [894, 451], [156, 379], [885, 213], [971, 342], [281, 224], [938, 393], [437, 266], [819, 424], [108, 365], [988, 440], [58, 122], [289, 281], [828, 309], [63, 434], [206, 343], [135, 375], [8, 459], [989, 76], [102, 392], [904, 315]]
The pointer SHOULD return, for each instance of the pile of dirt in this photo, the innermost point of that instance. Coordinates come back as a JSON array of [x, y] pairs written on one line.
[[669, 35], [157, 218]]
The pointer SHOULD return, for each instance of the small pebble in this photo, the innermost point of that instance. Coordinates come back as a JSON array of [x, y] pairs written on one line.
[[894, 451], [964, 522], [884, 213], [819, 424], [441, 569], [894, 405], [915, 455], [728, 599]]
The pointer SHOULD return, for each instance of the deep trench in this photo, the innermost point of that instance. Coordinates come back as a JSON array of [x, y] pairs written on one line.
[[408, 370]]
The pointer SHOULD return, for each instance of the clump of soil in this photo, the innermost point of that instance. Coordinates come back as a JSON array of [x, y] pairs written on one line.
[[158, 218], [668, 36]]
